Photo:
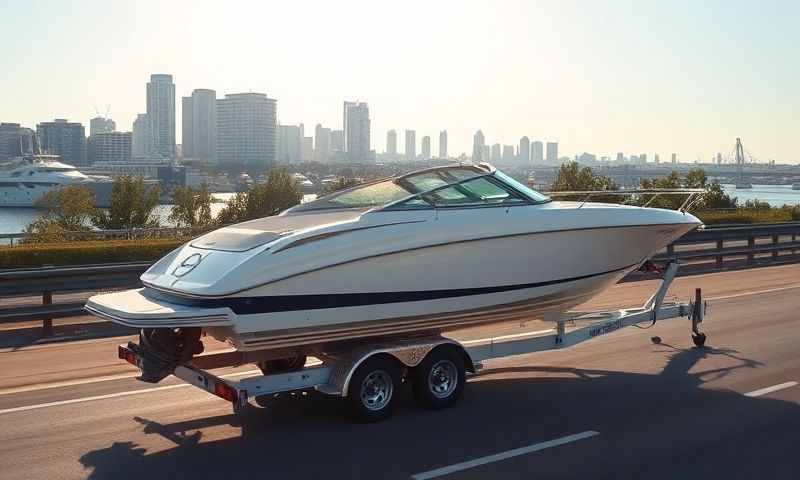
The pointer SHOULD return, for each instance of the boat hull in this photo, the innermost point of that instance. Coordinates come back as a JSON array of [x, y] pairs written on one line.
[[428, 289]]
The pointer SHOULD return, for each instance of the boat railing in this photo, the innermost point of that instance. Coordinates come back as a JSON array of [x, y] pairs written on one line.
[[693, 195]]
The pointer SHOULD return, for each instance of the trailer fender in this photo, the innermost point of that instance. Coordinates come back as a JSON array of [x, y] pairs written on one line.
[[408, 352]]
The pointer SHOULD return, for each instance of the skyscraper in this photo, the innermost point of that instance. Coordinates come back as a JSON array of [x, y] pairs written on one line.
[[443, 144], [112, 147], [67, 139], [306, 149], [524, 151], [552, 153], [426, 147], [674, 158], [322, 143], [496, 153], [508, 154], [16, 140], [391, 142], [356, 132], [247, 131], [478, 142], [337, 141], [290, 144], [101, 125], [411, 145], [161, 112], [537, 153], [142, 141], [199, 125]]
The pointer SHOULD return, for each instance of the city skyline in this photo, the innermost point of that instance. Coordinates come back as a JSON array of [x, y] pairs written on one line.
[[616, 73]]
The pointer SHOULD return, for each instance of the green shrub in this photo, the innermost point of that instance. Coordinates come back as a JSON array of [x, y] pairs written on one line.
[[741, 215], [86, 253]]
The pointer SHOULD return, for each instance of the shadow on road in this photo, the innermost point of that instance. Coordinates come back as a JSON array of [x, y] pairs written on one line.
[[655, 426]]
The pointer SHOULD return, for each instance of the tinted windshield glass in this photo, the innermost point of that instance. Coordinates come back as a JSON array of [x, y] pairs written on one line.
[[524, 189], [371, 195]]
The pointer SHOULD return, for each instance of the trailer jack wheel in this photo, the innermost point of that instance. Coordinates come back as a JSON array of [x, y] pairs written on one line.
[[699, 339], [656, 340]]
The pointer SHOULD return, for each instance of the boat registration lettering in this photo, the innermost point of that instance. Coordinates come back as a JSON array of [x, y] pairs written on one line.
[[607, 328]]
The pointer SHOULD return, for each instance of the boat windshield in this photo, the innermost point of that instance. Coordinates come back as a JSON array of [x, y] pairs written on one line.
[[448, 186]]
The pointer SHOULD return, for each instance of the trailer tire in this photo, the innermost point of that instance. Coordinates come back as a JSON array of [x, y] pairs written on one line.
[[439, 379], [373, 388]]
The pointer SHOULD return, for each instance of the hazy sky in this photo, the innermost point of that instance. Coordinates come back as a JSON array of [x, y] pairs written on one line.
[[635, 76]]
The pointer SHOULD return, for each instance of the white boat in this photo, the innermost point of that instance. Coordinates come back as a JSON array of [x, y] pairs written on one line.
[[424, 252], [24, 180]]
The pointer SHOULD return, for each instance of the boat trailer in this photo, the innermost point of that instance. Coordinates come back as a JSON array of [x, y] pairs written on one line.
[[369, 373]]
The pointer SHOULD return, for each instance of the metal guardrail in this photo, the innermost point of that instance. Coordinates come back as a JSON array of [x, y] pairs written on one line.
[[752, 245]]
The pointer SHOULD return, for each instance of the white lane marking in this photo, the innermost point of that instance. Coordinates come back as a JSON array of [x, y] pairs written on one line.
[[503, 455], [755, 292], [114, 395], [766, 390]]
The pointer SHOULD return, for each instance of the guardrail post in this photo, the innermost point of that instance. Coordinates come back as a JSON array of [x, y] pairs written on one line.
[[774, 242], [794, 237], [670, 250], [751, 244], [719, 257], [47, 322]]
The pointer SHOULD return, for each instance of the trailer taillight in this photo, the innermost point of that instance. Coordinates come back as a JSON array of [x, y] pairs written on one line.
[[127, 355], [226, 391]]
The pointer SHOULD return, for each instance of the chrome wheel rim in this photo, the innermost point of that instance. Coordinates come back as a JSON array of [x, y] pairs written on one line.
[[376, 390], [443, 379]]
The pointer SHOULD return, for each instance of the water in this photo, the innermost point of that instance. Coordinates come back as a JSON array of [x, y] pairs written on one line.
[[775, 195], [14, 220]]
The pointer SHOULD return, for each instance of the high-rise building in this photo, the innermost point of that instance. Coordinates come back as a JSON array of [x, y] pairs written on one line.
[[674, 158], [161, 112], [356, 132], [411, 145], [199, 125], [524, 151], [391, 142], [486, 153], [443, 144], [643, 158], [426, 147], [247, 131], [620, 157], [719, 158], [537, 153], [656, 159], [290, 144], [508, 154], [142, 141], [496, 153], [67, 139], [552, 153], [113, 147], [16, 140], [307, 149], [101, 125], [322, 143], [337, 141], [478, 142]]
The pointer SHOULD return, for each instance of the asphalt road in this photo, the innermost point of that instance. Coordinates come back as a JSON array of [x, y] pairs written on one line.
[[615, 407]]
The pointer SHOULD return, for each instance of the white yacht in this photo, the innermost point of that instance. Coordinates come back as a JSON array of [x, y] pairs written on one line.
[[24, 180]]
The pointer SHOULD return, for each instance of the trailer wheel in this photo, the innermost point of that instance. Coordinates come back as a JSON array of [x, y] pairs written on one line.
[[373, 388], [439, 380], [699, 339], [281, 365]]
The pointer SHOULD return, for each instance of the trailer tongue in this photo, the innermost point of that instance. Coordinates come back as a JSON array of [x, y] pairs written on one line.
[[369, 373]]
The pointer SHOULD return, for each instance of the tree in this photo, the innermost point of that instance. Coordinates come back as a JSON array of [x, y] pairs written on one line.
[[713, 197], [670, 182], [341, 183], [191, 207], [131, 206], [696, 178], [572, 178], [278, 193], [67, 209]]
